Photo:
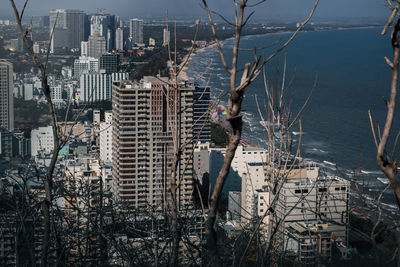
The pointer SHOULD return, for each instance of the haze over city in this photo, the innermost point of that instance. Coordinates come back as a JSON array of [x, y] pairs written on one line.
[[274, 10]]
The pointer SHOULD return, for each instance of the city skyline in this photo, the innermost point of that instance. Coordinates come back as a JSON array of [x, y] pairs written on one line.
[[286, 10], [128, 142]]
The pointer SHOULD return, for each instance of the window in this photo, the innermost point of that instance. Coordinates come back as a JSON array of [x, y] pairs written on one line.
[[297, 191]]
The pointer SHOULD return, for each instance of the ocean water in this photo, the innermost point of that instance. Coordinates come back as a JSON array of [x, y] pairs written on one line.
[[352, 79]]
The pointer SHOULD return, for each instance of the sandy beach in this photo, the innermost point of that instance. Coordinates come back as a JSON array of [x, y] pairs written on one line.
[[183, 75]]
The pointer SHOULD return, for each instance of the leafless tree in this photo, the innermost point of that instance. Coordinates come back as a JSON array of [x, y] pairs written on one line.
[[236, 94], [387, 160]]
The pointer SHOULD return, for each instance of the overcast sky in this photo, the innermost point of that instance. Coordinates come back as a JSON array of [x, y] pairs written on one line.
[[274, 9]]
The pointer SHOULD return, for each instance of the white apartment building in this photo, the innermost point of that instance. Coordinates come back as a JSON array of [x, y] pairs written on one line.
[[96, 116], [106, 138], [84, 63], [254, 188], [311, 199], [245, 155], [84, 49], [42, 141], [97, 86], [166, 36], [108, 116]]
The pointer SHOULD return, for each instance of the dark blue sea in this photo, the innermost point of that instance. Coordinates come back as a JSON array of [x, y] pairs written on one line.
[[352, 79]]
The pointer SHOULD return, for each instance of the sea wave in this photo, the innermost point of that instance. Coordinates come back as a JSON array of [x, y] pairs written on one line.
[[329, 163], [383, 180], [371, 172]]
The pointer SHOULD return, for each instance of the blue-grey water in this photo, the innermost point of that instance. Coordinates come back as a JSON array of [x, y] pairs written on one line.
[[352, 79]]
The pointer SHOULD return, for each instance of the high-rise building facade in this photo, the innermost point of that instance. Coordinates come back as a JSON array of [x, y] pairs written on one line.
[[201, 114], [96, 46], [69, 30], [85, 64], [84, 49], [42, 141], [136, 31], [110, 62], [119, 39], [106, 131], [166, 36], [143, 117], [6, 95], [104, 25], [97, 86]]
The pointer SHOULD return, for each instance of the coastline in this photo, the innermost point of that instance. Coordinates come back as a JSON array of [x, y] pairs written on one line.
[[324, 156], [183, 74]]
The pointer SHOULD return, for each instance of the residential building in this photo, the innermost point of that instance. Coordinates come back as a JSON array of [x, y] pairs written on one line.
[[152, 42], [97, 86], [42, 141], [84, 49], [85, 63], [106, 132], [201, 161], [201, 114], [96, 45], [143, 115], [311, 199], [56, 92], [119, 39], [245, 155], [69, 30], [28, 91], [108, 116], [136, 31], [83, 178], [104, 25], [166, 37], [6, 95], [96, 116]]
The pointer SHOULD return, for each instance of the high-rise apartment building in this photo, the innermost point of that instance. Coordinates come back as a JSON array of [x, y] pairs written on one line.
[[97, 86], [143, 117], [119, 39], [69, 30], [136, 31], [6, 95], [85, 64], [166, 36], [84, 49], [201, 114], [96, 46], [104, 25], [106, 131]]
